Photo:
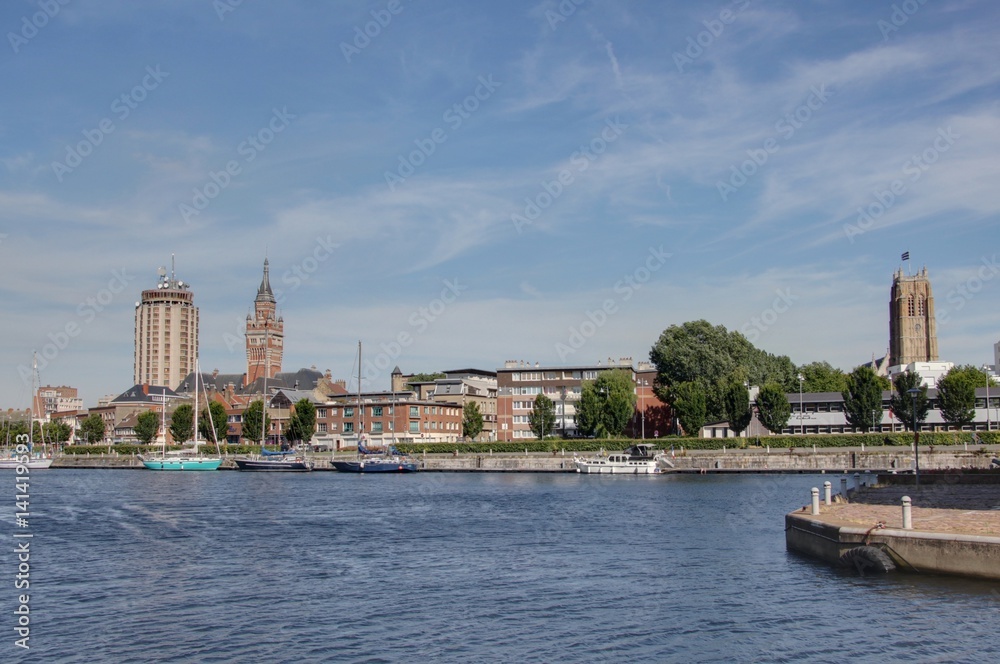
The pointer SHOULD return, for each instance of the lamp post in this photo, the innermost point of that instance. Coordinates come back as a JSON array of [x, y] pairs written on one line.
[[802, 426], [562, 393], [986, 370], [642, 407], [913, 392]]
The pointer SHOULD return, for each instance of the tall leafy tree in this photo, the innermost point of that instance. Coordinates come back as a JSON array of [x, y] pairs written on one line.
[[56, 432], [688, 401], [253, 422], [617, 391], [472, 420], [863, 398], [607, 404], [543, 416], [588, 410], [303, 421], [901, 403], [737, 404], [91, 429], [773, 407], [698, 352], [822, 377], [957, 397], [147, 424], [218, 420], [182, 423]]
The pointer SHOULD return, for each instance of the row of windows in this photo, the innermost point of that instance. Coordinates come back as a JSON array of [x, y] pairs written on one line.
[[525, 376]]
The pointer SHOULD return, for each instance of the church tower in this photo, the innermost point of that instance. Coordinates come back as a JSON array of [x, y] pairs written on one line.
[[265, 333], [912, 328]]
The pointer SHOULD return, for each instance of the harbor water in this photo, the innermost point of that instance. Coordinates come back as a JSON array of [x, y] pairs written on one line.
[[129, 565]]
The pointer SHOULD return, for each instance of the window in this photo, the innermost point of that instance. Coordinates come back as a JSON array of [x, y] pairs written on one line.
[[321, 413], [321, 428], [348, 427], [376, 411], [376, 427], [414, 411], [348, 411], [909, 306], [414, 427], [590, 375]]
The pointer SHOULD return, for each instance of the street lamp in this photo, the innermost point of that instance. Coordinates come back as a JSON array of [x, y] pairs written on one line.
[[642, 406], [562, 393], [986, 370], [913, 392], [802, 426]]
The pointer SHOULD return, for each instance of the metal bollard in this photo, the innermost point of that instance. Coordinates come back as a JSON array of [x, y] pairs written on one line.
[[843, 487], [907, 516], [857, 481], [815, 501], [827, 498]]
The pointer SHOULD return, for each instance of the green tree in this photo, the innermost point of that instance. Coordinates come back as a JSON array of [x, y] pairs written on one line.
[[957, 397], [901, 403], [253, 422], [821, 377], [91, 429], [56, 432], [698, 352], [182, 423], [737, 403], [302, 424], [213, 423], [607, 404], [543, 416], [688, 401], [588, 410], [147, 425], [773, 407], [423, 378], [472, 420], [863, 398]]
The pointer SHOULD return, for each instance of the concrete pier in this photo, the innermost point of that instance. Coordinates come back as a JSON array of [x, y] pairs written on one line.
[[950, 528]]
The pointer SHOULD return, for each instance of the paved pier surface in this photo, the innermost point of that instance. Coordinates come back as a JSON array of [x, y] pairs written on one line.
[[955, 527], [957, 508]]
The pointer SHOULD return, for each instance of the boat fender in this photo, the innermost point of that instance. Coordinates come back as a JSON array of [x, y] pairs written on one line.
[[867, 559]]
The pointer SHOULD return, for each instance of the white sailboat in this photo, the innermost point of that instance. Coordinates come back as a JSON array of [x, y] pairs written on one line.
[[23, 453]]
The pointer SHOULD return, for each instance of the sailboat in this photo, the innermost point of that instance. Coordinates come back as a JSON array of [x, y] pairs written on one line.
[[23, 453], [186, 459], [373, 461]]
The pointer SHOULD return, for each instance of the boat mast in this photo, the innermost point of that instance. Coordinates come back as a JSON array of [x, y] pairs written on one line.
[[361, 409]]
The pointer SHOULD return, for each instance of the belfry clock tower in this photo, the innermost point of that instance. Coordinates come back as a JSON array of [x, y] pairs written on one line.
[[265, 334], [912, 328]]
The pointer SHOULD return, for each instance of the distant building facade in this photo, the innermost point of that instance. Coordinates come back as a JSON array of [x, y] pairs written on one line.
[[520, 383], [166, 333]]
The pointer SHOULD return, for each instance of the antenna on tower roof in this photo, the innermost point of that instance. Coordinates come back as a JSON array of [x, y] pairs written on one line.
[[172, 271]]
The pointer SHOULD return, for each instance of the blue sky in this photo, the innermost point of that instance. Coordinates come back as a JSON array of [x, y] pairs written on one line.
[[492, 181]]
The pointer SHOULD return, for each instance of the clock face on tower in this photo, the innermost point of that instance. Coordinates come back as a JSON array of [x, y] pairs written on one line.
[[917, 327]]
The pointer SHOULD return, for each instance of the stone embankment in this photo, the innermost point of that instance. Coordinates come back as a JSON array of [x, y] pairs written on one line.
[[950, 524], [840, 460]]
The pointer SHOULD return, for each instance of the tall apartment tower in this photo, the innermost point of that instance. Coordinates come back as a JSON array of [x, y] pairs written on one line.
[[912, 328], [265, 333], [166, 332]]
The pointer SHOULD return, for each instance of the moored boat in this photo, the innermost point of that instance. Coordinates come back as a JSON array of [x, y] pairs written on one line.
[[270, 463], [638, 459]]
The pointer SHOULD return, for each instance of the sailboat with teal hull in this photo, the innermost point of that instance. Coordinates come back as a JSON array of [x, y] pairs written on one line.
[[186, 459]]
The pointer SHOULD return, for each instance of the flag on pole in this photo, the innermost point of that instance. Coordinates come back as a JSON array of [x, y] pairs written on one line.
[[906, 256]]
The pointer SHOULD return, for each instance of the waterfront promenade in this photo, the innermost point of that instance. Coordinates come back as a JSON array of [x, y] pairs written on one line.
[[753, 460]]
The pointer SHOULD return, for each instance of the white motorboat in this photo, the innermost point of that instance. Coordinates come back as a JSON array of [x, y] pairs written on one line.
[[638, 459]]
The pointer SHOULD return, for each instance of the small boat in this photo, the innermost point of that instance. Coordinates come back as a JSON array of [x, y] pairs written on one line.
[[639, 459], [374, 461], [23, 455], [269, 461]]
